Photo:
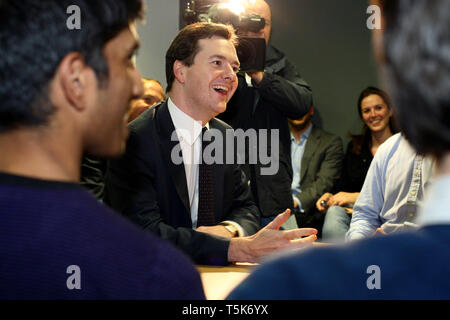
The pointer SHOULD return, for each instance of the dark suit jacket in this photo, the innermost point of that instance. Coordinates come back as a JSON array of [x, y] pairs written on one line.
[[320, 170], [146, 186]]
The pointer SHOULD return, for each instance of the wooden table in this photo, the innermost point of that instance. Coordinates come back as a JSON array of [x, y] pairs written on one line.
[[218, 282]]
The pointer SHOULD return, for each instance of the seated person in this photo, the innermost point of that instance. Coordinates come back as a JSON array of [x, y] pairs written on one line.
[[163, 182], [93, 169], [374, 109], [394, 185], [316, 158], [415, 265], [153, 94], [56, 241], [263, 100]]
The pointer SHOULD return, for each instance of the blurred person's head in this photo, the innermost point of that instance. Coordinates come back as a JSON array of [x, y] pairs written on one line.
[[375, 110], [73, 81], [262, 9], [153, 93], [413, 50], [303, 122]]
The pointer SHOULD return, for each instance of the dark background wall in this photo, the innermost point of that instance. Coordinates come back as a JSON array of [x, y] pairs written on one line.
[[160, 28], [327, 40], [330, 44]]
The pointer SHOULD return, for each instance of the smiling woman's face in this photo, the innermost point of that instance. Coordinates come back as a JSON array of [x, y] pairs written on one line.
[[375, 113]]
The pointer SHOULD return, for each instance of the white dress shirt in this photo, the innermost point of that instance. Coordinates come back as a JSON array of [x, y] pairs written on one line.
[[188, 131]]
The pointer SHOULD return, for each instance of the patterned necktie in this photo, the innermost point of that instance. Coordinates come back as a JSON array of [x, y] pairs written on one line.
[[205, 214]]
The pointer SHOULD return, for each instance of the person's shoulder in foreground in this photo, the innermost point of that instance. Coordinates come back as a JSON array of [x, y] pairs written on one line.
[[63, 244], [388, 267]]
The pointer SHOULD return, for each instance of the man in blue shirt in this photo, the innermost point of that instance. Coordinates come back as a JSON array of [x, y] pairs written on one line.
[[316, 159]]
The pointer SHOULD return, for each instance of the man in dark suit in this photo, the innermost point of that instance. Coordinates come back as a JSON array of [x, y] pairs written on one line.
[[316, 158], [412, 45], [161, 183]]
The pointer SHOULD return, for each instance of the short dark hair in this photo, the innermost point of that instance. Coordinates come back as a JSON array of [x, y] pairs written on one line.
[[416, 41], [35, 38], [185, 45]]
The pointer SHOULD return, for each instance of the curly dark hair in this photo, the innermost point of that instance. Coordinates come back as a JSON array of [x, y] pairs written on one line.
[[416, 41]]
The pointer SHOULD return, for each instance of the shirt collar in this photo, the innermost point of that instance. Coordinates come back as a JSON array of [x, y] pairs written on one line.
[[304, 136], [187, 128]]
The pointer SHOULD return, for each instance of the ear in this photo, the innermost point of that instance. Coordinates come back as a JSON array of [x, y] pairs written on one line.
[[75, 79], [179, 71]]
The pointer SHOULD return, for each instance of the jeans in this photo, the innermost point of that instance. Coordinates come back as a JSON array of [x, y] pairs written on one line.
[[337, 221], [290, 224]]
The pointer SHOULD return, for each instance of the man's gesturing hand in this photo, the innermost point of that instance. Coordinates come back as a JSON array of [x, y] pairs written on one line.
[[269, 240]]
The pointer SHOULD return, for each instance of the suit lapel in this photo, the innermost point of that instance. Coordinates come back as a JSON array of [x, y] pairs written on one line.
[[165, 129], [311, 146]]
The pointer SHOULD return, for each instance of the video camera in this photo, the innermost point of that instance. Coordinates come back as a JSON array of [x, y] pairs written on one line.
[[251, 51]]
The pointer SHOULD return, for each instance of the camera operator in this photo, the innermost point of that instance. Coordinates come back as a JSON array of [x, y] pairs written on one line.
[[263, 100]]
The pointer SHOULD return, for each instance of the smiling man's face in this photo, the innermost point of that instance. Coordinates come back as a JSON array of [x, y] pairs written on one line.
[[210, 82]]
